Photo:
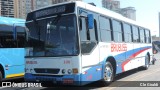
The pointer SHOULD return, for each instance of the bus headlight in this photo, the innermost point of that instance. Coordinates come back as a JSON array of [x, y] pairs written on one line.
[[75, 70], [63, 71], [31, 70], [69, 71]]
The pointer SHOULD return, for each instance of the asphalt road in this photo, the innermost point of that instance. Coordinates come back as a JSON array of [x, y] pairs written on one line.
[[136, 79]]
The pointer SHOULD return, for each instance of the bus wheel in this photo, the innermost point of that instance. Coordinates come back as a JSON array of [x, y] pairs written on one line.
[[108, 73], [146, 62], [1, 77], [153, 62]]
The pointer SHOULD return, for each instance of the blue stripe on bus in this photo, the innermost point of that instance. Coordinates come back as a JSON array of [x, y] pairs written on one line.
[[92, 74]]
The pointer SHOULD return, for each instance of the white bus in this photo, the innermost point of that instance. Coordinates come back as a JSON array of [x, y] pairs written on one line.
[[77, 43]]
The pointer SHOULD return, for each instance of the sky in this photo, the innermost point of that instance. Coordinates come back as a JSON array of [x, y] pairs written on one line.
[[147, 12]]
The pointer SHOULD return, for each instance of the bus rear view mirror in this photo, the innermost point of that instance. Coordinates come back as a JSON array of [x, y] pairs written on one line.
[[90, 21]]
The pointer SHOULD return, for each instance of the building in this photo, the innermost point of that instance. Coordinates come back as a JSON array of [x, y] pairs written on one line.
[[113, 5], [13, 8], [30, 5], [20, 8], [60, 1], [7, 8], [128, 12], [42, 3]]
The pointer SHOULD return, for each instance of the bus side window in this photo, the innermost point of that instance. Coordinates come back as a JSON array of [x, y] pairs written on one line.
[[93, 33], [6, 37], [105, 29], [117, 31], [127, 32], [147, 36], [21, 37], [88, 36], [135, 34], [142, 38], [150, 37], [7, 41], [83, 29], [80, 24]]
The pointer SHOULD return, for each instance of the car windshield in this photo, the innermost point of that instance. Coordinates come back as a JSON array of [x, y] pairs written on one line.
[[56, 36]]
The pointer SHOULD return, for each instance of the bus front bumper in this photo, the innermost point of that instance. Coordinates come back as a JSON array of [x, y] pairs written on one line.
[[55, 79]]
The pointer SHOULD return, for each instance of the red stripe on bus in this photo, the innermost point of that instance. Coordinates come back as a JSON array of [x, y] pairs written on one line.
[[133, 56]]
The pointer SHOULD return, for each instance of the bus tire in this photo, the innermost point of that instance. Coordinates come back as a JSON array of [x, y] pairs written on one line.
[[146, 62], [108, 73], [153, 62], [1, 77]]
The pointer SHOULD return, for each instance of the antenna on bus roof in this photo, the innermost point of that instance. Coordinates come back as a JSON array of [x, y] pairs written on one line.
[[92, 4]]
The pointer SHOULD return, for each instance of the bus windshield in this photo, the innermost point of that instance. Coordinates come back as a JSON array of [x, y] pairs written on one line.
[[55, 36]]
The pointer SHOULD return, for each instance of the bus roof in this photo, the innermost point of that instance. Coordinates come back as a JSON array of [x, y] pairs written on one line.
[[12, 21], [108, 13], [102, 11]]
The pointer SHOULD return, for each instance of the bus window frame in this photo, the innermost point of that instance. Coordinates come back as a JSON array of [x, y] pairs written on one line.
[[10, 34]]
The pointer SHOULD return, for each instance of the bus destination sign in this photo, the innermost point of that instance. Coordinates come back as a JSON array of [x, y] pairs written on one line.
[[54, 10], [50, 11]]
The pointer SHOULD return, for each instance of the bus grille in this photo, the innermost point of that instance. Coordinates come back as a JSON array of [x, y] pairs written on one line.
[[45, 70]]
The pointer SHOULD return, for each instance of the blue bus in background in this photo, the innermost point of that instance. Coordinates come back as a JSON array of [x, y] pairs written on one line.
[[12, 40]]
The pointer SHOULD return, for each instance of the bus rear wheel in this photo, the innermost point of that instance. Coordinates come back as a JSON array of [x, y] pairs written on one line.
[[147, 61], [108, 73]]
